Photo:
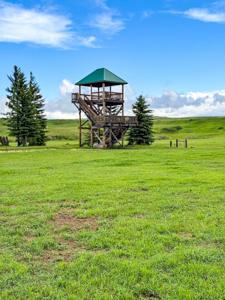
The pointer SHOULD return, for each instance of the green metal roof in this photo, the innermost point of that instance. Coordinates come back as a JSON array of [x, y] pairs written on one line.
[[100, 76]]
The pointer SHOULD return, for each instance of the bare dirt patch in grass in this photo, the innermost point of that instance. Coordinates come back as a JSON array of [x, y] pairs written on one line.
[[185, 235], [139, 216], [210, 244], [65, 218], [68, 247], [29, 237]]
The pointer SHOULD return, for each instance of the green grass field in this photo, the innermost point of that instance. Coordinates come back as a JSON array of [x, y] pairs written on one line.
[[165, 128], [133, 223]]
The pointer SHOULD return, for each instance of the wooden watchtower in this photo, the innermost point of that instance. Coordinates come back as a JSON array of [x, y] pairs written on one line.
[[104, 108]]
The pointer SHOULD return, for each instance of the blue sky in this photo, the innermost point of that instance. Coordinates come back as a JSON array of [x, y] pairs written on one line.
[[171, 51]]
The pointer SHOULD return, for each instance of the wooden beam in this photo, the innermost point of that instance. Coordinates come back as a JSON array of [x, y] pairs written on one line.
[[123, 99], [103, 97], [91, 133], [115, 137], [80, 129], [104, 113], [84, 122], [98, 137], [123, 111]]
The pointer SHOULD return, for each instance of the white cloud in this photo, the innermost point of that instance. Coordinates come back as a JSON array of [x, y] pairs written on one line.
[[3, 107], [130, 98], [173, 104], [102, 4], [214, 15], [62, 108], [88, 41], [19, 24], [147, 14], [108, 22], [61, 115], [67, 87], [169, 104], [205, 15]]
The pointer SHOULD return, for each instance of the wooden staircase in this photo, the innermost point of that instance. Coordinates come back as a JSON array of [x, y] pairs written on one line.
[[113, 127], [90, 111]]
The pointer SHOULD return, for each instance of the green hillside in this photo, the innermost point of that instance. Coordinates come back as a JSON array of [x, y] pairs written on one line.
[[165, 128]]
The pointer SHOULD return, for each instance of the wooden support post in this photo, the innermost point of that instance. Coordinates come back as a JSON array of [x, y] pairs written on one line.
[[186, 143], [104, 113], [80, 125], [123, 110], [123, 99], [91, 132], [171, 144], [110, 128], [110, 136], [103, 99], [177, 143], [80, 134]]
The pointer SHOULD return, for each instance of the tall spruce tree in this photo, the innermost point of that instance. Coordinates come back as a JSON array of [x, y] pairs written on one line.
[[19, 107], [37, 134], [26, 119], [143, 133]]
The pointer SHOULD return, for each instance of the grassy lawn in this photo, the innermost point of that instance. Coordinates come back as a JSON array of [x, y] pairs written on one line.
[[133, 223]]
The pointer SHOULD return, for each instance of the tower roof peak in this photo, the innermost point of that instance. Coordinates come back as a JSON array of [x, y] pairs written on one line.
[[100, 76]]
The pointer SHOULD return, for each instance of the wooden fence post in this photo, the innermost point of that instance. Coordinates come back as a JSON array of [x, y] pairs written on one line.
[[177, 143]]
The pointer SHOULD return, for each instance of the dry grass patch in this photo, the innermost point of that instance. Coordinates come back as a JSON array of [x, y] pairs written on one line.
[[67, 247], [29, 238], [139, 216], [65, 218], [185, 235], [210, 244]]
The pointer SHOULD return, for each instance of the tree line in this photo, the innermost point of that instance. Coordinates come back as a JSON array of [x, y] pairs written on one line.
[[26, 118]]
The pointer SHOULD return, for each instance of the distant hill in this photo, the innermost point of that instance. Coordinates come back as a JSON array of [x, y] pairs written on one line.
[[165, 128]]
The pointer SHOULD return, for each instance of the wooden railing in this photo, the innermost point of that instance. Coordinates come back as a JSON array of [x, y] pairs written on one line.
[[87, 109], [85, 105], [116, 120], [98, 97]]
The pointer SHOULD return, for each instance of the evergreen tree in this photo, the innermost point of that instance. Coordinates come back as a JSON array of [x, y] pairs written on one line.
[[26, 119], [143, 133], [19, 107], [37, 132]]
